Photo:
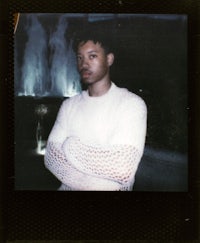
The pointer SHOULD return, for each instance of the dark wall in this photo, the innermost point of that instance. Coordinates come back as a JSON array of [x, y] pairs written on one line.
[[26, 117], [151, 61]]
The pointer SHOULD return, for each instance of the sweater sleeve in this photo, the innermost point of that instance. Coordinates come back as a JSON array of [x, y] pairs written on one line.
[[119, 161], [56, 162], [59, 131], [131, 124]]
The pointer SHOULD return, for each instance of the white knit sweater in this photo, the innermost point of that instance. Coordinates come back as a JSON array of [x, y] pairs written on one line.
[[97, 143]]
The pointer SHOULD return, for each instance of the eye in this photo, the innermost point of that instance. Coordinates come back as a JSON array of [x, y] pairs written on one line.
[[79, 58], [92, 56]]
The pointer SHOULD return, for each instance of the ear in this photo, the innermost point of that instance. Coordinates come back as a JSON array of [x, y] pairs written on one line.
[[110, 58]]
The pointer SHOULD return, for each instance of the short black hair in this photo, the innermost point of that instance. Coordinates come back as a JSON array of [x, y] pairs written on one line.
[[97, 36]]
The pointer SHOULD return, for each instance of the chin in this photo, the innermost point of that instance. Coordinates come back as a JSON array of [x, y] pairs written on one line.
[[87, 82]]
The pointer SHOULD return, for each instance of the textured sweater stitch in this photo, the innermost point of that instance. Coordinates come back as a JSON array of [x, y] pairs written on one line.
[[97, 142]]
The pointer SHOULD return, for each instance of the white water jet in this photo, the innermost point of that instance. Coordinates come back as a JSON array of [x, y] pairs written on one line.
[[41, 143], [40, 110], [64, 77], [34, 69]]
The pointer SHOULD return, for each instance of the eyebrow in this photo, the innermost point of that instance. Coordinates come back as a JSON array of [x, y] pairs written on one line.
[[89, 52]]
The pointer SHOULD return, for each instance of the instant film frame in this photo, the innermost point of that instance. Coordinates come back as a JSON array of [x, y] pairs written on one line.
[[148, 215], [150, 58]]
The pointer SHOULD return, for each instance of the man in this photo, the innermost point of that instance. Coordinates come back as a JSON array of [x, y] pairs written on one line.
[[98, 138]]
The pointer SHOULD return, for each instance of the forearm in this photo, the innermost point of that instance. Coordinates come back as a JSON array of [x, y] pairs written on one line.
[[116, 163], [57, 163]]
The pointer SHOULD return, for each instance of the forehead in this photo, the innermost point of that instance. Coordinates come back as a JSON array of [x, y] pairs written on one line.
[[89, 46]]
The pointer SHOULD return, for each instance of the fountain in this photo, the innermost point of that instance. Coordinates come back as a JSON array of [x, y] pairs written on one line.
[[62, 62], [49, 66], [35, 65], [40, 110]]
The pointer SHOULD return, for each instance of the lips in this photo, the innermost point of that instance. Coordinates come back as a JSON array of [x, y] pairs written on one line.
[[85, 73]]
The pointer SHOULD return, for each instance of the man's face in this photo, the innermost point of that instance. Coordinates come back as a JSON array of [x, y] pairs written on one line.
[[93, 63]]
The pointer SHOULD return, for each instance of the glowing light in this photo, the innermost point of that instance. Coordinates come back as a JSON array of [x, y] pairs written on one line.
[[41, 143], [41, 147], [41, 110]]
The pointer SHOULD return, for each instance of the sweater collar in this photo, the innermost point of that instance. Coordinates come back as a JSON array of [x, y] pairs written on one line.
[[86, 95]]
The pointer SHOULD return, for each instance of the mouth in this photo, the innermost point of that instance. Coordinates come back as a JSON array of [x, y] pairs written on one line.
[[85, 74]]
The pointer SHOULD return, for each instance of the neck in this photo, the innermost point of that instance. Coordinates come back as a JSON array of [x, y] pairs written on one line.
[[99, 88]]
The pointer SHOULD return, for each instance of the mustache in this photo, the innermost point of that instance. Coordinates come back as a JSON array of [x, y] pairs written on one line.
[[84, 70]]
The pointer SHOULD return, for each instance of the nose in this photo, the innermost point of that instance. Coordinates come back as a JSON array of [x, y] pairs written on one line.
[[84, 63]]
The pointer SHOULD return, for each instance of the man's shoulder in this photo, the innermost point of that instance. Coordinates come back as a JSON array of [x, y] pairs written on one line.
[[129, 97], [72, 100]]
